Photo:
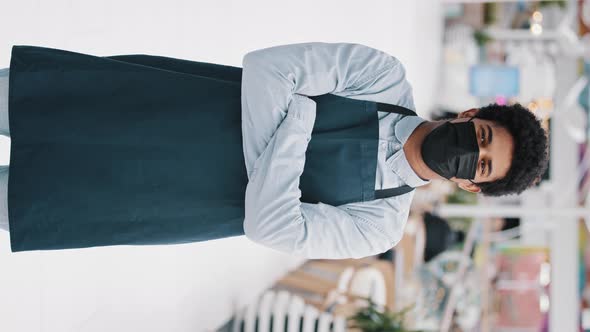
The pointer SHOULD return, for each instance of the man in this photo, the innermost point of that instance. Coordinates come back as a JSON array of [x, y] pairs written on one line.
[[495, 150]]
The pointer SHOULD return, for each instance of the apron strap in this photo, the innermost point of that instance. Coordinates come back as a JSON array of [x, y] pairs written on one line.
[[382, 107], [385, 193]]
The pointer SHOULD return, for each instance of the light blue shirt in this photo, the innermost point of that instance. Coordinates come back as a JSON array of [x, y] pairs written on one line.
[[277, 121]]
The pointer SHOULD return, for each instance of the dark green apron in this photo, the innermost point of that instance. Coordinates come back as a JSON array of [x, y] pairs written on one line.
[[140, 149]]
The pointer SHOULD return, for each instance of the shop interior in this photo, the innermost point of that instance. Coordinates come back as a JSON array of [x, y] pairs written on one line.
[[465, 263]]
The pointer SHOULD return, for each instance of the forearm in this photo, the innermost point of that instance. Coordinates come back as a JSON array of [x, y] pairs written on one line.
[[272, 195], [271, 76]]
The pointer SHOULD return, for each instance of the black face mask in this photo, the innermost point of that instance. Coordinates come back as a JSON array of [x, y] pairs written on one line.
[[451, 150]]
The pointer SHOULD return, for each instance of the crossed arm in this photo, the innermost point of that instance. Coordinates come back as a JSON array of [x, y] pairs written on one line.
[[277, 121]]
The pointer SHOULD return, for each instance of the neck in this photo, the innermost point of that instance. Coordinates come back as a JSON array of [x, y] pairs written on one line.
[[412, 150]]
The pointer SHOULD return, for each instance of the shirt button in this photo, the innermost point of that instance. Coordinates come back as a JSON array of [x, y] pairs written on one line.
[[397, 147]]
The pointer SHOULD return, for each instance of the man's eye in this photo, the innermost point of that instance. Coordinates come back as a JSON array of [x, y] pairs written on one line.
[[482, 136], [482, 163]]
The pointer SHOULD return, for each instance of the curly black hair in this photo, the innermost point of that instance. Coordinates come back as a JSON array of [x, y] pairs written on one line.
[[530, 157]]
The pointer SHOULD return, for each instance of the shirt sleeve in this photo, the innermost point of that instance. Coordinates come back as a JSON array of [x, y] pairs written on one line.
[[271, 76], [277, 123]]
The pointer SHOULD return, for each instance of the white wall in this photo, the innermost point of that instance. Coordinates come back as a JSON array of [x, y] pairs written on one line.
[[186, 287]]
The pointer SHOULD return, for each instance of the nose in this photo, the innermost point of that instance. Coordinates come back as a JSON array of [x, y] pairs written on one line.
[[484, 150]]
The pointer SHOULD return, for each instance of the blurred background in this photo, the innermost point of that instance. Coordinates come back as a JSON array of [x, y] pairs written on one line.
[[466, 262]]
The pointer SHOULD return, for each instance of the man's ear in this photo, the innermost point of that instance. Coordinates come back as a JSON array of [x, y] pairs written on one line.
[[468, 114], [472, 188]]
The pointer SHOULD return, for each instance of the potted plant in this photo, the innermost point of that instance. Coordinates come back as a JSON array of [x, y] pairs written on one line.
[[371, 318]]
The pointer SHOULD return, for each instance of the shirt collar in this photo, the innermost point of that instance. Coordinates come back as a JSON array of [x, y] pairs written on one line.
[[406, 126], [398, 162]]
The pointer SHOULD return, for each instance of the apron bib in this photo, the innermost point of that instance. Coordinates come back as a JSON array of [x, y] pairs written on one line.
[[139, 149]]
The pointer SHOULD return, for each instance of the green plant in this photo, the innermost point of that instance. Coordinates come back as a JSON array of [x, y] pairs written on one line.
[[560, 3], [460, 196], [481, 37], [490, 13], [374, 319]]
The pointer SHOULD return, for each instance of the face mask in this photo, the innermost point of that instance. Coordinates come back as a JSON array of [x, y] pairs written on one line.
[[451, 150]]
